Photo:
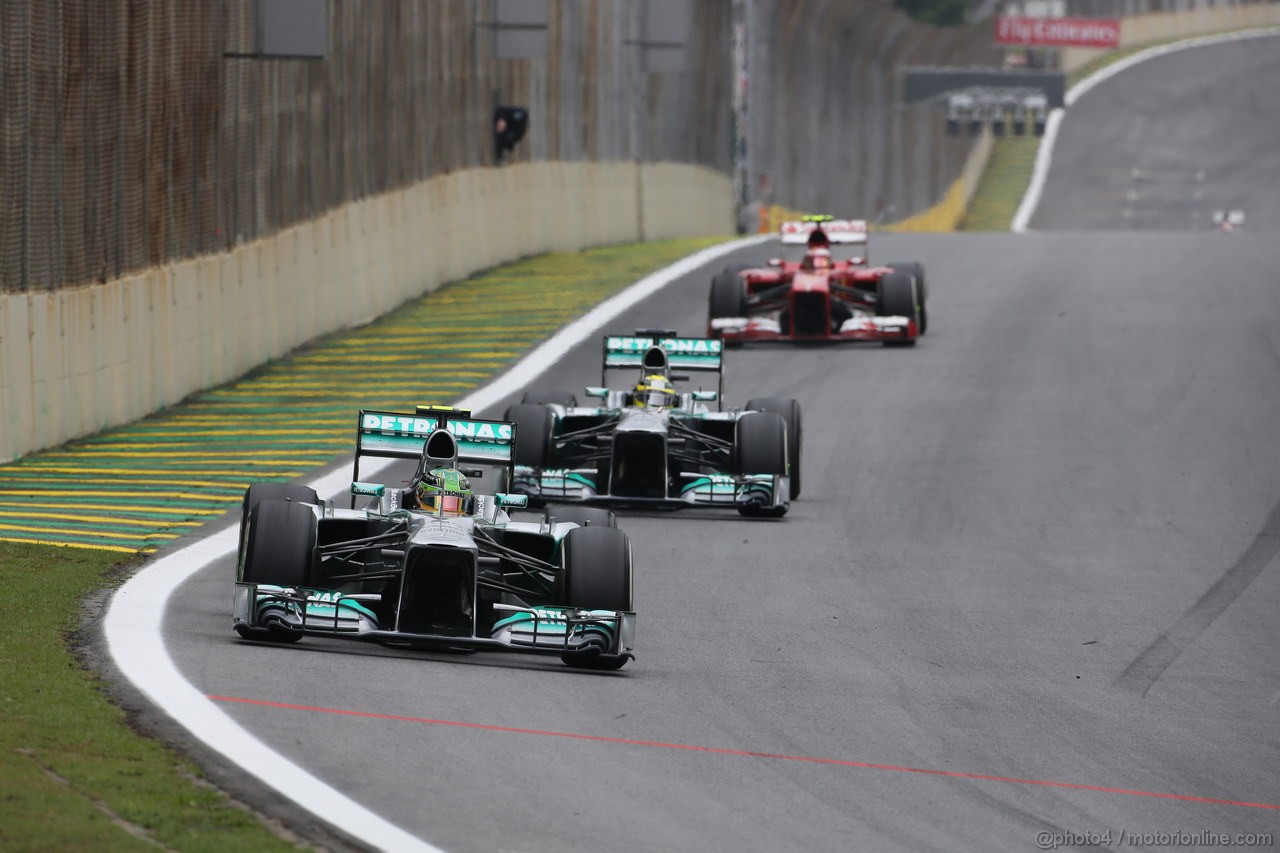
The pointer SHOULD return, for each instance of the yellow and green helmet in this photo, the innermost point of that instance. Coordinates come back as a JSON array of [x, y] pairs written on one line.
[[445, 490]]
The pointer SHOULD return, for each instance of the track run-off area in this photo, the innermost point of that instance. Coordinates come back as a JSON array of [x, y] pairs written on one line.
[[1030, 586], [138, 487]]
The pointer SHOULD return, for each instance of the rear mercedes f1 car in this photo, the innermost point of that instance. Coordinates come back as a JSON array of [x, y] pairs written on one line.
[[458, 575], [820, 298], [654, 445]]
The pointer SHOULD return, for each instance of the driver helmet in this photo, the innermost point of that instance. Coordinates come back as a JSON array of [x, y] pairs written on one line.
[[818, 239], [654, 391], [817, 259], [447, 491]]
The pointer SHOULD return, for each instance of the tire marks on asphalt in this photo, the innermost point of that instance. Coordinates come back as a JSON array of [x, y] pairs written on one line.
[[1145, 670]]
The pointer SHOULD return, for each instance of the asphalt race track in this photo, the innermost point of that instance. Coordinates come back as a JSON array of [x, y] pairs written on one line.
[[1030, 586], [1170, 141]]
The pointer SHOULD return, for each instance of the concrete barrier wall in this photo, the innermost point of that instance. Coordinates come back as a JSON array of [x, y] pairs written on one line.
[[77, 360], [827, 129], [1164, 26]]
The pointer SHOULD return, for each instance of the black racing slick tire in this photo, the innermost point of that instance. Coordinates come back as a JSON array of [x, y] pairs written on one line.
[[597, 569], [790, 411], [280, 543], [916, 269], [259, 492], [760, 447], [897, 298], [597, 576], [583, 516], [558, 398], [728, 296], [534, 423]]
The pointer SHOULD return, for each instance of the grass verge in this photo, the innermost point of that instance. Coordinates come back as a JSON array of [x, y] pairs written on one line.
[[1002, 185], [73, 774]]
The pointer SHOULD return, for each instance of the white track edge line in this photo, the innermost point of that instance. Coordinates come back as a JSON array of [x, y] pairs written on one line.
[[133, 625], [1044, 156]]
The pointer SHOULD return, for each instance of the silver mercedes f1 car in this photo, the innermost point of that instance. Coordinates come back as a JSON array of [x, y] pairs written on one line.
[[655, 445], [437, 564]]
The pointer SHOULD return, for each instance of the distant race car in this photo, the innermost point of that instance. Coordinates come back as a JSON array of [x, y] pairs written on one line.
[[1228, 221], [435, 565], [820, 298], [654, 445]]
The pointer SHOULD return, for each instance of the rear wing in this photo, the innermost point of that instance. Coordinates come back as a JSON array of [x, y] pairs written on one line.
[[401, 435], [682, 353], [660, 351], [795, 233]]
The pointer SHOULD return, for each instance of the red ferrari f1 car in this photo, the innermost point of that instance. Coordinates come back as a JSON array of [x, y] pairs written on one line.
[[820, 298]]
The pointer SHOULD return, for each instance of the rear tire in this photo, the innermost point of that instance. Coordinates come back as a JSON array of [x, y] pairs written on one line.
[[760, 447], [597, 576], [790, 412], [534, 423], [896, 297]]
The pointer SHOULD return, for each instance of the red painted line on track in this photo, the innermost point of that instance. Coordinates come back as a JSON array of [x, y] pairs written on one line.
[[746, 753]]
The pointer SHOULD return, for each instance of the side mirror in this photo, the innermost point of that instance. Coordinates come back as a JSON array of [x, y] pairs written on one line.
[[706, 396], [512, 501], [596, 391], [370, 490]]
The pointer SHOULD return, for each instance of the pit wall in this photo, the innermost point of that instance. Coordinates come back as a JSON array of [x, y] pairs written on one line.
[[78, 360], [1166, 26]]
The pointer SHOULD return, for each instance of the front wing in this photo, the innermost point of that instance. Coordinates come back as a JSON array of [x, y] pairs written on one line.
[[543, 629], [863, 328], [725, 491]]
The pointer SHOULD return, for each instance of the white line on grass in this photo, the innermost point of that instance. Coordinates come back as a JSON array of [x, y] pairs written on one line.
[[1031, 199], [135, 615]]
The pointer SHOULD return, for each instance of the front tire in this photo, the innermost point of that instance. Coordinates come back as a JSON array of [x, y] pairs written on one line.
[[559, 398], [583, 516], [760, 447], [534, 423], [597, 576], [259, 492], [896, 297], [790, 412], [280, 543], [728, 297], [916, 271], [279, 550]]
